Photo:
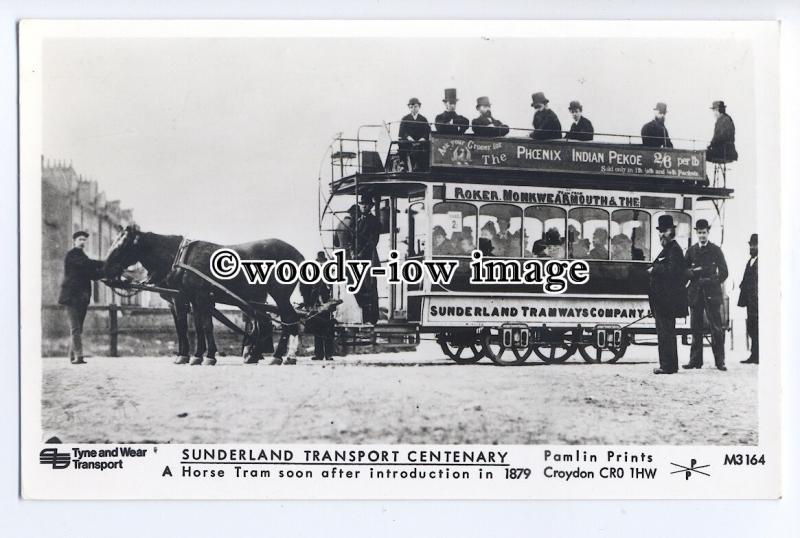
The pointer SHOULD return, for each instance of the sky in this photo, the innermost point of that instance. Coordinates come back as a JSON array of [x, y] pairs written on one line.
[[222, 139]]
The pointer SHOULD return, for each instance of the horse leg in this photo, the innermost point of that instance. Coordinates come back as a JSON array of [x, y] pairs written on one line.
[[180, 311], [199, 333], [208, 329]]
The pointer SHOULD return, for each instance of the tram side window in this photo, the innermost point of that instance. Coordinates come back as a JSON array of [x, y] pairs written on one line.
[[630, 235], [587, 233], [418, 229], [454, 226], [543, 234], [500, 230], [683, 229]]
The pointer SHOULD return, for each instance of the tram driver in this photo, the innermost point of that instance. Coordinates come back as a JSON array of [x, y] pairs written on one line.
[[368, 230]]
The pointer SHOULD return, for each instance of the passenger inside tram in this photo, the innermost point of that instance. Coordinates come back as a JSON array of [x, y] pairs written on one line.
[[442, 246], [599, 244], [555, 243]]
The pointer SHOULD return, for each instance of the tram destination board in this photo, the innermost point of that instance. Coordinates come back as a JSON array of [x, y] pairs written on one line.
[[568, 157]]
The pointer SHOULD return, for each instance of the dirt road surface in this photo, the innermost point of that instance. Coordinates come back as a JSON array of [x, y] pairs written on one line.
[[411, 397]]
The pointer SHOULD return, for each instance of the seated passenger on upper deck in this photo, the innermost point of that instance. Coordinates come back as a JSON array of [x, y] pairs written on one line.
[[485, 124], [581, 129], [654, 132], [414, 128], [449, 122], [545, 122], [722, 148]]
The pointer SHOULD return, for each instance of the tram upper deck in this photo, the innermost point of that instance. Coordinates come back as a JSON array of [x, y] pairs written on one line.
[[523, 162]]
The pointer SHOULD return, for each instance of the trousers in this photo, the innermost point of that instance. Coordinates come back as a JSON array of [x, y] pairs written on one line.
[[667, 342], [77, 315], [714, 316], [752, 330]]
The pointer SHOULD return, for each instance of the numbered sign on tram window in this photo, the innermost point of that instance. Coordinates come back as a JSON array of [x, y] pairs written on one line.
[[454, 220]]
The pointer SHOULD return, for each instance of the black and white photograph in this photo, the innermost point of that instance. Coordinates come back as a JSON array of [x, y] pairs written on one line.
[[268, 250]]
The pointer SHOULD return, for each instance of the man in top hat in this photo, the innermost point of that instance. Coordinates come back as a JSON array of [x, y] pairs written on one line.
[[722, 148], [76, 291], [414, 129], [667, 294], [581, 128], [449, 122], [654, 132], [707, 271], [485, 124], [545, 122], [368, 231], [748, 298]]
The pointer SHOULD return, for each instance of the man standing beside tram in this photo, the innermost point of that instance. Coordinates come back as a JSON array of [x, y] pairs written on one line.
[[707, 271], [667, 294]]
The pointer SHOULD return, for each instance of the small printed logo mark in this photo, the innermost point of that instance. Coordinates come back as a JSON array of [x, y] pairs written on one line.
[[692, 468], [58, 460]]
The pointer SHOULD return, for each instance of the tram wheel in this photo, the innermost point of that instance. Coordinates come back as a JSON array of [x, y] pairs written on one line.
[[597, 355], [499, 354], [456, 352], [556, 353]]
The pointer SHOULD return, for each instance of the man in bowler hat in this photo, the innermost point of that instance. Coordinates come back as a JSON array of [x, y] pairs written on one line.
[[545, 122], [76, 291], [667, 294], [748, 298], [654, 132], [368, 230], [414, 129], [485, 124], [722, 148], [707, 271], [581, 128], [450, 122]]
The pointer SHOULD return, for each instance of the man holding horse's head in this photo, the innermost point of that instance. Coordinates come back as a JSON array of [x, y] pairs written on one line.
[[76, 291]]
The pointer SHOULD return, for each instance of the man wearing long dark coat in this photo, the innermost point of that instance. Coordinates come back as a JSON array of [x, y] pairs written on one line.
[[414, 134], [654, 132], [449, 121], [581, 128], [368, 230], [76, 291], [722, 148], [707, 270], [545, 122], [667, 294], [485, 124], [748, 298]]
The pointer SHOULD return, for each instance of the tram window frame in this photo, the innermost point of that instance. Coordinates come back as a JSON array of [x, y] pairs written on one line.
[[654, 232], [474, 226], [417, 208], [647, 251], [521, 224], [529, 253], [583, 235]]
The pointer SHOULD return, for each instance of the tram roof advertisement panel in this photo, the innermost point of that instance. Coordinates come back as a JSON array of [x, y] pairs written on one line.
[[521, 154]]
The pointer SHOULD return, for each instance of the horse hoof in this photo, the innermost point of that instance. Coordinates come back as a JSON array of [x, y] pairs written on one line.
[[291, 360], [182, 360], [276, 361], [252, 360], [210, 361], [196, 361]]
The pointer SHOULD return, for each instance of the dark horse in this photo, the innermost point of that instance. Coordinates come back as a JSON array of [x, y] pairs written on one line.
[[159, 254]]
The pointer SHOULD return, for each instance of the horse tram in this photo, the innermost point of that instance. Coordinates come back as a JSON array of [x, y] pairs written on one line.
[[514, 197]]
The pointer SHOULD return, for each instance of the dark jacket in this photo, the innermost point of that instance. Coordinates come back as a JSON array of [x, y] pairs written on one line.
[[582, 130], [722, 147], [417, 129], [79, 271], [368, 231], [713, 272], [488, 126], [668, 282], [655, 134], [748, 289], [451, 123], [546, 125]]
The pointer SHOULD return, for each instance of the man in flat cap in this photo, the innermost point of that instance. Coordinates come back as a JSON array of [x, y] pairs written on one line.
[[414, 132], [748, 298], [722, 148], [76, 291], [368, 231], [581, 128], [545, 122], [667, 294], [707, 271], [485, 124], [449, 122], [654, 132]]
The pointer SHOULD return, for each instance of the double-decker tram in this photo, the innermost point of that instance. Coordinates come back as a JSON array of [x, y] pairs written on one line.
[[516, 198]]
